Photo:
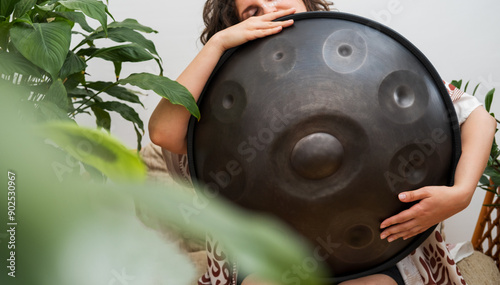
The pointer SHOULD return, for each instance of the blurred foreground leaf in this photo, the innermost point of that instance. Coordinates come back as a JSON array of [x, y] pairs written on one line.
[[96, 148], [77, 232], [258, 243]]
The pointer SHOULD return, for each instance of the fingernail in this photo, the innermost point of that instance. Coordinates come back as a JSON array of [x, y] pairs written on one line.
[[383, 236], [390, 239], [402, 196]]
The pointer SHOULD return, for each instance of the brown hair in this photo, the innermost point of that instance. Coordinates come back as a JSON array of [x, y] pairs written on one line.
[[220, 14]]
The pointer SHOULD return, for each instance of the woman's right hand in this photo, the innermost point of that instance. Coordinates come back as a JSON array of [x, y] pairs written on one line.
[[168, 123], [252, 28]]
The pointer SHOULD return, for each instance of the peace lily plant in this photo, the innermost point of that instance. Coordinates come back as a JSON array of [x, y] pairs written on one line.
[[45, 49]]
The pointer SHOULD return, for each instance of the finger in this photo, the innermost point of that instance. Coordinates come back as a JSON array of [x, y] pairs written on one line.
[[272, 29], [267, 32], [399, 228], [412, 196], [278, 14], [416, 231], [402, 217], [411, 233], [271, 25], [286, 23], [394, 237], [405, 234]]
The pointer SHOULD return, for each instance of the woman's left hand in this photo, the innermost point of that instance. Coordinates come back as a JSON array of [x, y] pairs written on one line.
[[437, 203], [434, 204]]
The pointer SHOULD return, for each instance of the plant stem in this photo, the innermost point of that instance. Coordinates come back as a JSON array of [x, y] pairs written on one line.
[[79, 108]]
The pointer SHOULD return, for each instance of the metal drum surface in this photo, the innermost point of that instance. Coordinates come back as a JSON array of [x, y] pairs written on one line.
[[322, 125]]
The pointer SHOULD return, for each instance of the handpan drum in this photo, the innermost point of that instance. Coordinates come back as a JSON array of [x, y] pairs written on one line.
[[322, 125]]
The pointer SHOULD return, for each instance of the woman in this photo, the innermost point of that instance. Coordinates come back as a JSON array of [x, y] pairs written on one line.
[[230, 23]]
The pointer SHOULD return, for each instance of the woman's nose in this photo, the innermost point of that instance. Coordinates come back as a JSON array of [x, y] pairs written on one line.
[[269, 6]]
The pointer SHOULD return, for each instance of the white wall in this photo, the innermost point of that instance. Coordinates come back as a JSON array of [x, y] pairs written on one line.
[[461, 38]]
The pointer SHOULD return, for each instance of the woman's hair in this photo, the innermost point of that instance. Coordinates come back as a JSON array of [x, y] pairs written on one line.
[[220, 14]]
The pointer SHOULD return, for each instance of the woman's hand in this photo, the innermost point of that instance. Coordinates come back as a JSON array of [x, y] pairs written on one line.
[[435, 204], [168, 123], [251, 29]]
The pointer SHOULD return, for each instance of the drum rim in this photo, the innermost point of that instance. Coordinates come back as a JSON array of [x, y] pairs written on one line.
[[453, 121]]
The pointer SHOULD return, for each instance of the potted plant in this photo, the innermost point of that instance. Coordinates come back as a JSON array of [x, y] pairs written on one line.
[[45, 49]]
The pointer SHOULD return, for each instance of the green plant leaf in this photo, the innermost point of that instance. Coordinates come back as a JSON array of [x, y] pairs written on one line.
[[92, 8], [4, 34], [475, 89], [494, 149], [489, 99], [489, 170], [47, 6], [74, 80], [94, 173], [118, 92], [50, 111], [23, 6], [69, 213], [261, 244], [122, 35], [131, 24], [123, 53], [72, 65], [97, 148], [84, 99], [23, 19], [12, 63], [44, 44], [76, 17], [168, 89], [484, 180], [102, 118], [138, 134], [10, 89], [6, 7], [457, 84], [493, 174], [127, 112], [57, 94], [466, 86], [118, 68], [87, 51], [80, 93]]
